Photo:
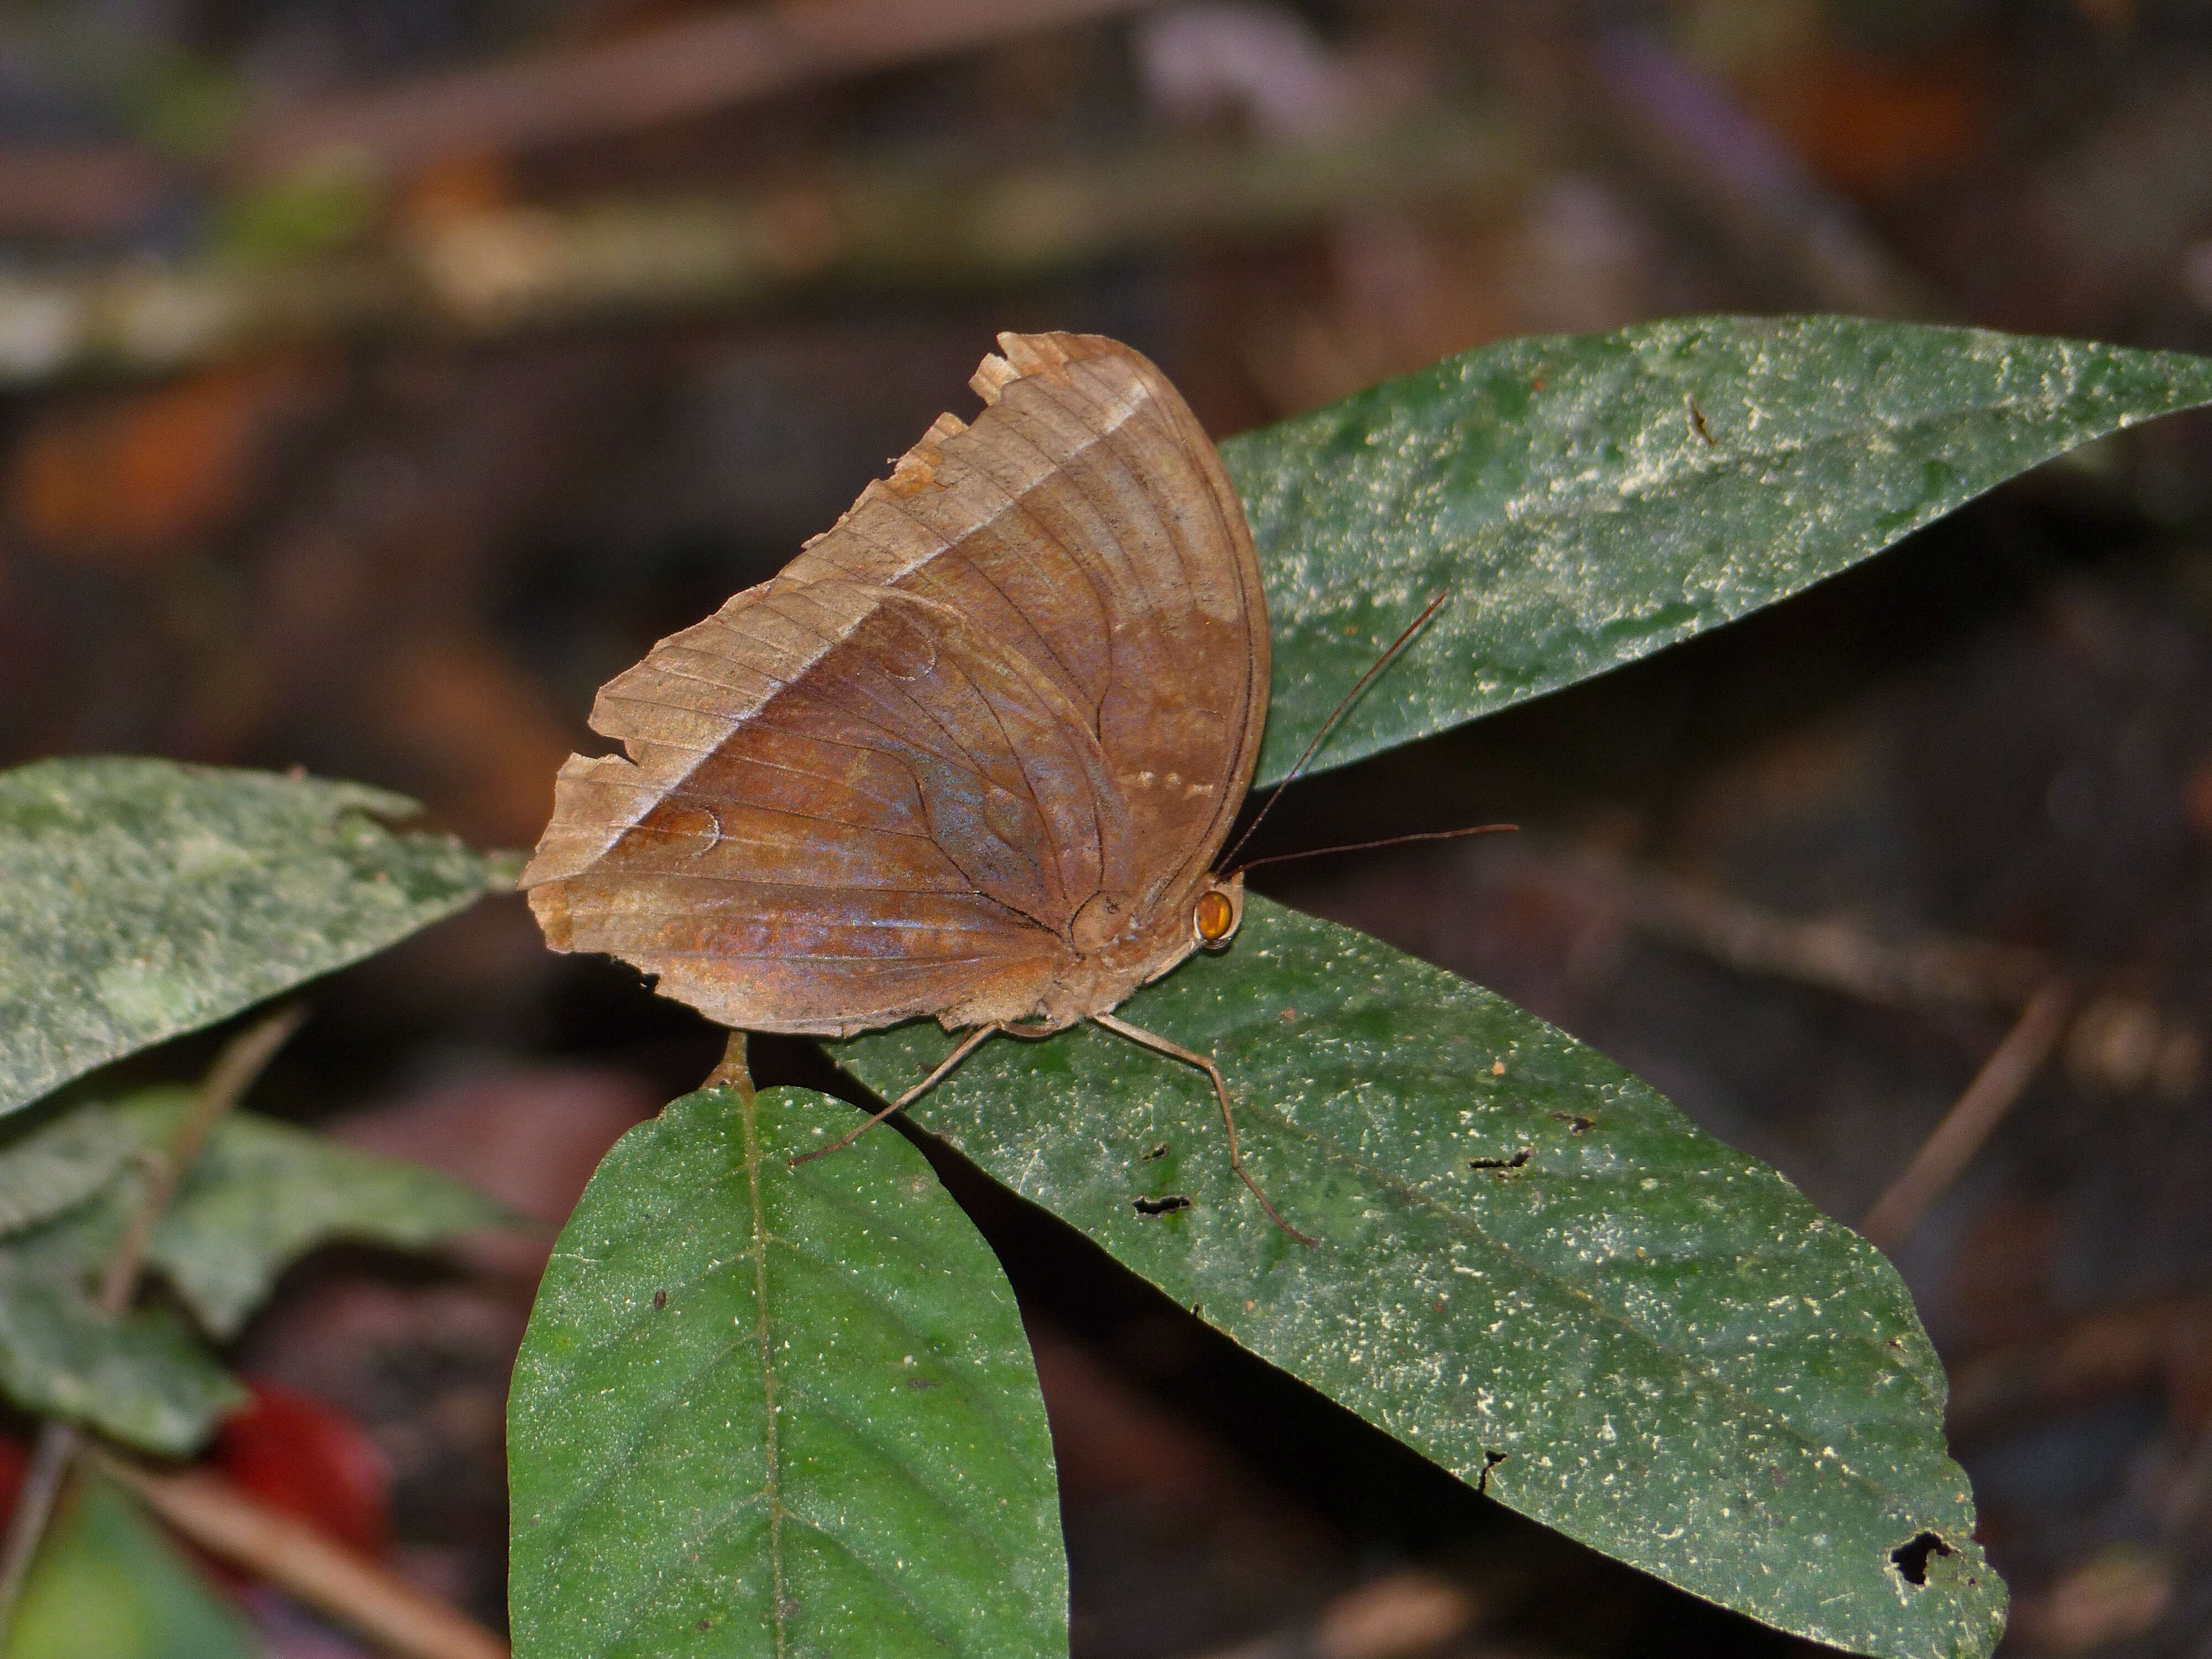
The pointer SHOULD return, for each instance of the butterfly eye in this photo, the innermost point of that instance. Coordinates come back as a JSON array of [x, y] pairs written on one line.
[[1215, 919]]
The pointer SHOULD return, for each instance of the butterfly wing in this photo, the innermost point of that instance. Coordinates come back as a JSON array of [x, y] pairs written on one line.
[[842, 805], [1027, 669], [1085, 521]]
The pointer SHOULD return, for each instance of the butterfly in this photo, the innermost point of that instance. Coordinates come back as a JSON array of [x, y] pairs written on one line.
[[971, 755]]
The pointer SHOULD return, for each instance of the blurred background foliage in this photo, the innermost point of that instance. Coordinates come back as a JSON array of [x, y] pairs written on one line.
[[379, 376]]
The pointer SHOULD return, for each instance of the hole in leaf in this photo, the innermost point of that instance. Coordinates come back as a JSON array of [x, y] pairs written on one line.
[[1157, 1153], [659, 1300], [1512, 1162], [1576, 1124], [1911, 1557], [1167, 1205], [1490, 1460]]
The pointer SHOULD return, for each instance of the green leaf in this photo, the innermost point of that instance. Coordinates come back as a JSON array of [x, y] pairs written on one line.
[[1532, 1269], [58, 1165], [142, 1379], [109, 1584], [1586, 500], [263, 1193], [764, 1410], [140, 899], [260, 1195]]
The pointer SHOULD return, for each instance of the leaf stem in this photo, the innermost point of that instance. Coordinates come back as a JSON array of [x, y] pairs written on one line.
[[227, 1080], [233, 1074]]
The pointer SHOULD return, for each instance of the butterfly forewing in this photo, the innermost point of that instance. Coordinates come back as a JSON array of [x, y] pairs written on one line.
[[1026, 671]]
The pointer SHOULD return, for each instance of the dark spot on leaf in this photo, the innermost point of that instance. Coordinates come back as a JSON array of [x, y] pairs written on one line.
[[1167, 1205], [659, 1300], [1911, 1557], [1576, 1124], [1698, 421], [920, 1383], [1512, 1162], [788, 1607], [1157, 1153], [706, 1624], [1775, 1474], [1290, 1016], [1490, 1460]]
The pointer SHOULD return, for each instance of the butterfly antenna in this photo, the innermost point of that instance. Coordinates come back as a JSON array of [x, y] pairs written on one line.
[[1329, 724], [1368, 846]]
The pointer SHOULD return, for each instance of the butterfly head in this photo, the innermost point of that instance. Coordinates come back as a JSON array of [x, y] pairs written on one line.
[[1219, 912]]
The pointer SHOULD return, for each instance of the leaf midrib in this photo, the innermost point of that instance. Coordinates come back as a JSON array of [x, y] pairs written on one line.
[[772, 1487], [1683, 479]]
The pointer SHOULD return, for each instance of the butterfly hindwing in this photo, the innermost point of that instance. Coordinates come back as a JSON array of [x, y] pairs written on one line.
[[846, 803]]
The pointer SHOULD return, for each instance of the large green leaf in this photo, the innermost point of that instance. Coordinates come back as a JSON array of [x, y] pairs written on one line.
[[142, 1378], [1586, 500], [109, 1584], [1531, 1268], [774, 1411], [140, 898]]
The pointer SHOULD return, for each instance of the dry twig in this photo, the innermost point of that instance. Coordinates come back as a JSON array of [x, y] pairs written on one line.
[[228, 1523], [2163, 1346], [727, 57], [1835, 954], [491, 272], [1955, 1140]]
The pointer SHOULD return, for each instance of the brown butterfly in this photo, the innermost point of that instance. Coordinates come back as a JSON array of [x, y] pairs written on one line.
[[970, 755]]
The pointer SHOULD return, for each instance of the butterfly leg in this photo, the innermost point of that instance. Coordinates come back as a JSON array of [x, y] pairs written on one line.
[[1205, 1063], [969, 1045]]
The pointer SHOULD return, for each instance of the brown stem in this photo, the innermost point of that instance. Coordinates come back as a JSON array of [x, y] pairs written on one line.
[[228, 1522], [231, 1074], [1833, 954], [1955, 1140], [732, 1071]]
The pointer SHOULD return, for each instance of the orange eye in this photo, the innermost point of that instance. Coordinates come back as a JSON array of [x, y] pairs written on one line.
[[1214, 918]]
